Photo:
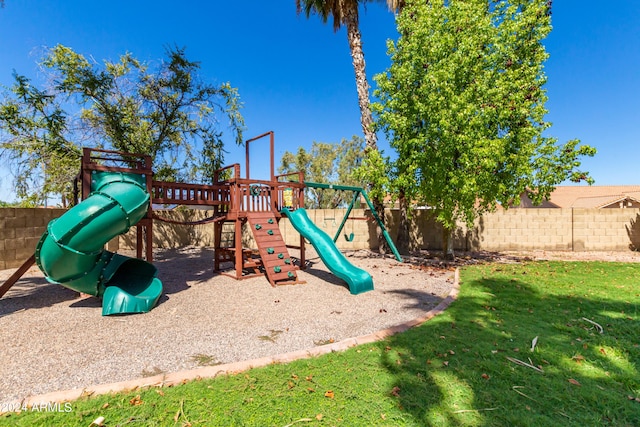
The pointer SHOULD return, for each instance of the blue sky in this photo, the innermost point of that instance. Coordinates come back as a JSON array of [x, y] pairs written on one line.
[[295, 75]]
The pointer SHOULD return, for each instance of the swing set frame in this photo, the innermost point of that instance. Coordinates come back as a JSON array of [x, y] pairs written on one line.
[[357, 192]]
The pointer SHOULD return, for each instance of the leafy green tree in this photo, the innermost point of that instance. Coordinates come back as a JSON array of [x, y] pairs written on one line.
[[463, 105], [166, 113], [329, 164], [36, 144], [163, 111]]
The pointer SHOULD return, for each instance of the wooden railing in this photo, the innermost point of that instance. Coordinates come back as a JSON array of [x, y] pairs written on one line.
[[234, 196], [94, 159], [227, 173], [255, 196], [291, 190], [170, 193], [230, 195]]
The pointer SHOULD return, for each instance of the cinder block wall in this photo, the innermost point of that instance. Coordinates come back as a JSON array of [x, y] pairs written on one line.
[[606, 229], [522, 229], [329, 221], [512, 230], [516, 229], [167, 235], [20, 230], [425, 232]]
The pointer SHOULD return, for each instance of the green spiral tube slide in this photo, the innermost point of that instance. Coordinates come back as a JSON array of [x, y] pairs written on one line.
[[71, 252]]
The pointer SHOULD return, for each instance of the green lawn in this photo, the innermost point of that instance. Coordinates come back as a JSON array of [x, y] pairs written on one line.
[[521, 346]]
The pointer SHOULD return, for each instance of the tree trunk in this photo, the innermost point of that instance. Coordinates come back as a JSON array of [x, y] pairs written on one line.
[[362, 85], [379, 207], [447, 244], [350, 13], [403, 238]]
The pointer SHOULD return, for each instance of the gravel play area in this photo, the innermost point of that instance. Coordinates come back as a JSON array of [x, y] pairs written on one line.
[[53, 339]]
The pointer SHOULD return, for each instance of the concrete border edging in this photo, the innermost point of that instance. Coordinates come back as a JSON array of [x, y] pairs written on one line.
[[182, 377]]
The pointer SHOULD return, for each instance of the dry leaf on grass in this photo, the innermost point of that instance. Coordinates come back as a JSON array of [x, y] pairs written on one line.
[[464, 411], [534, 342], [99, 422], [180, 413], [528, 365], [516, 387], [598, 327]]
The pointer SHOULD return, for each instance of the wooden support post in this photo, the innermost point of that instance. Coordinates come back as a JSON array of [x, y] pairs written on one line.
[[149, 242], [238, 245], [85, 171], [139, 232], [17, 275], [303, 260], [144, 239], [217, 243]]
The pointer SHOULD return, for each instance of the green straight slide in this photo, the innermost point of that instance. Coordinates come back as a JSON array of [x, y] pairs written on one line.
[[71, 252], [359, 281]]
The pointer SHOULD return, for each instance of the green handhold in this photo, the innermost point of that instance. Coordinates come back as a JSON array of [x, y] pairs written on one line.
[[270, 221], [277, 269], [258, 226], [280, 256], [291, 275], [270, 232], [270, 251], [287, 261]]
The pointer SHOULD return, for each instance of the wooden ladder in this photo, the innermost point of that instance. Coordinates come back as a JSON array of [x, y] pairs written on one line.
[[276, 261]]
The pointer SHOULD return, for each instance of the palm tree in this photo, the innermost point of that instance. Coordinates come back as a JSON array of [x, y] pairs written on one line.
[[345, 12]]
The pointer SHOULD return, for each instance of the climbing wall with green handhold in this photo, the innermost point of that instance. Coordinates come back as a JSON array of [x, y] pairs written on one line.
[[273, 251]]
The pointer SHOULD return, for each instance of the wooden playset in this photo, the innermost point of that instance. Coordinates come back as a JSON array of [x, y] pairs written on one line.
[[232, 199], [118, 192]]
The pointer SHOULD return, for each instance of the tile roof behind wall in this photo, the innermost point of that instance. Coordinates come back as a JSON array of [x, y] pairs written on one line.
[[595, 196]]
